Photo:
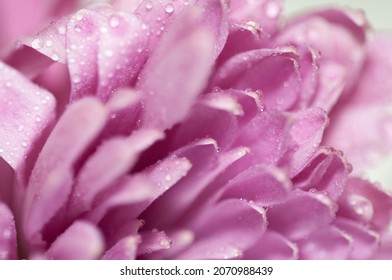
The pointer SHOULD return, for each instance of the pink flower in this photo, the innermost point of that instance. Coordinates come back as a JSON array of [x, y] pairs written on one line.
[[194, 130]]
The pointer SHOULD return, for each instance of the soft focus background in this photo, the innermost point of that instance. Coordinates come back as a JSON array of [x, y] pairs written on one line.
[[379, 14]]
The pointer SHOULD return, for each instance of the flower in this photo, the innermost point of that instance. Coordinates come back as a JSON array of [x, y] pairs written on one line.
[[194, 129]]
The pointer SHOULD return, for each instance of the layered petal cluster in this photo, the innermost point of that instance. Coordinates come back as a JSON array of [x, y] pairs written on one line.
[[194, 129]]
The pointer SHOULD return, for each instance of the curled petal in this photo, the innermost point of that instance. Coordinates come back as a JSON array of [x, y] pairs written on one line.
[[81, 241], [265, 186], [272, 246], [226, 230], [302, 214], [94, 177], [329, 243], [364, 240], [327, 172], [125, 249], [365, 202]]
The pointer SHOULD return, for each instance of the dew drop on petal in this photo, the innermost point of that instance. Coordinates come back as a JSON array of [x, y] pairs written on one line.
[[148, 6], [20, 128], [62, 30], [169, 9], [49, 43], [55, 57], [36, 44], [361, 206], [114, 21], [6, 234], [24, 144], [78, 28]]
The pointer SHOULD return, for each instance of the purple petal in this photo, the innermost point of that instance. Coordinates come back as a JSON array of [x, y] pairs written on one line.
[[366, 105], [329, 243], [265, 13], [8, 245], [306, 132], [326, 172], [152, 241], [52, 177], [364, 240], [81, 241], [226, 230], [365, 202], [264, 185], [19, 21], [280, 70], [159, 16], [207, 164], [272, 246], [125, 249], [94, 177], [339, 35], [26, 112], [302, 214], [168, 92]]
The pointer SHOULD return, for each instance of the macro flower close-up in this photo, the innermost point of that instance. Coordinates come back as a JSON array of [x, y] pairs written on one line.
[[192, 129]]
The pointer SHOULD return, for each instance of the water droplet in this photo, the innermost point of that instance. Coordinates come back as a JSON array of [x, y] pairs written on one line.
[[114, 21], [103, 29], [78, 28], [79, 16], [361, 206], [76, 79], [36, 44], [148, 6], [169, 9], [168, 177], [20, 128], [37, 119], [62, 30], [6, 233], [1, 151], [55, 57], [186, 2], [49, 43], [24, 144]]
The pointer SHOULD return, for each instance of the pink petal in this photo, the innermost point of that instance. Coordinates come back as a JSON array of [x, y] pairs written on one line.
[[327, 172], [272, 246], [52, 177], [128, 190], [179, 201], [215, 117], [302, 214], [264, 185], [339, 35], [7, 180], [226, 230], [306, 132], [265, 13], [160, 15], [94, 177], [365, 202], [19, 21], [366, 105], [328, 243], [125, 249], [280, 71], [27, 111], [81, 241], [8, 243], [168, 92], [364, 240], [152, 241]]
